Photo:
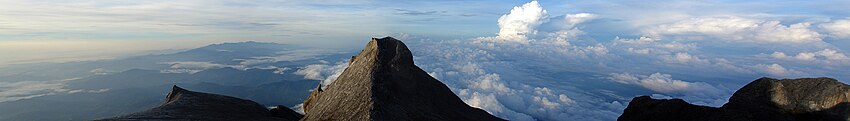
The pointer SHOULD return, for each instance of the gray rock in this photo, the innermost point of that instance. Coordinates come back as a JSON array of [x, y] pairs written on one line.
[[799, 99], [181, 104], [382, 83], [765, 99]]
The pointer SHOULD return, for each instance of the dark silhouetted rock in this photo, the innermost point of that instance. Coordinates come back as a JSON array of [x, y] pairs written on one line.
[[382, 83], [181, 104], [765, 99], [285, 113], [644, 108]]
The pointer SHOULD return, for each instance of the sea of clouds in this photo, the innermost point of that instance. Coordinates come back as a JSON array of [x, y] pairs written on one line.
[[543, 67]]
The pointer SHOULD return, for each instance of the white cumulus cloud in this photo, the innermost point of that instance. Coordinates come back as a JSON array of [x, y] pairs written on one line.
[[521, 22], [571, 20]]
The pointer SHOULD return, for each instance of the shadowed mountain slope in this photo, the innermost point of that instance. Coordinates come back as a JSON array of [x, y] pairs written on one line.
[[181, 104]]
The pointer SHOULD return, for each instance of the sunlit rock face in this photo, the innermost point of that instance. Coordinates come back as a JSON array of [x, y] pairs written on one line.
[[765, 99], [382, 83]]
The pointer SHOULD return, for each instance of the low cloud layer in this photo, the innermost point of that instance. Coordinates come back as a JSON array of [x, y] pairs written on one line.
[[194, 66], [20, 90], [535, 75], [664, 83]]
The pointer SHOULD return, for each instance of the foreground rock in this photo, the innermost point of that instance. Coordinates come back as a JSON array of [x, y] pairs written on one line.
[[382, 83], [181, 104], [765, 99]]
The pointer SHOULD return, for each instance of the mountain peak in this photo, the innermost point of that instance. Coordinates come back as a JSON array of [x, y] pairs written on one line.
[[389, 50], [175, 93], [382, 83]]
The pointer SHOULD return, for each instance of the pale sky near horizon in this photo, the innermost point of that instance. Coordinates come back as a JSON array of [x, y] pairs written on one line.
[[66, 30]]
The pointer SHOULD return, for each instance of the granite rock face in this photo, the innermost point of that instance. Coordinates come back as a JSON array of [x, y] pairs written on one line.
[[800, 99], [765, 99], [382, 83], [181, 104]]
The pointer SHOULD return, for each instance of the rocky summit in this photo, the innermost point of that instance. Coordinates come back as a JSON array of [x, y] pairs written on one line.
[[382, 83], [182, 104], [765, 99]]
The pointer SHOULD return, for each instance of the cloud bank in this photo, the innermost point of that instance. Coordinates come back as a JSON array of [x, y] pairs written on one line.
[[838, 28], [20, 90], [664, 83], [737, 29], [537, 76]]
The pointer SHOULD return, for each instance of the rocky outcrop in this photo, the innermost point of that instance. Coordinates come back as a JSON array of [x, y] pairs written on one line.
[[382, 83], [801, 99], [181, 104], [765, 99]]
